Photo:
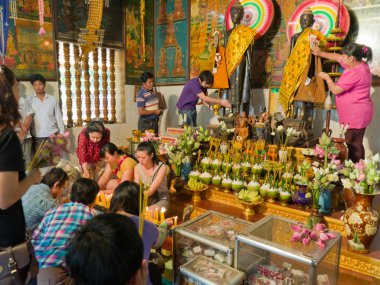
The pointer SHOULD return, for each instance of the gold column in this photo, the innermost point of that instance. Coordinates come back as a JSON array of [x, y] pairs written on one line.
[[78, 86], [95, 55], [66, 54], [87, 89], [104, 85], [112, 86]]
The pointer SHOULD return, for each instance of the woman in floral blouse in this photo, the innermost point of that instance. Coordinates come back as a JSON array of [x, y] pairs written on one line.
[[90, 140], [119, 167]]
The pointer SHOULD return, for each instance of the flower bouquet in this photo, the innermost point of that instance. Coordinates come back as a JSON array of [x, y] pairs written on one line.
[[50, 151], [284, 135], [325, 149], [363, 176], [361, 221], [191, 139], [155, 141], [224, 132], [175, 159], [324, 178]]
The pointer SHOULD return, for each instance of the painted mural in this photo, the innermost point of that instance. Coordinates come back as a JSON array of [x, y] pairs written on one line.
[[171, 38], [207, 16], [27, 51], [135, 62]]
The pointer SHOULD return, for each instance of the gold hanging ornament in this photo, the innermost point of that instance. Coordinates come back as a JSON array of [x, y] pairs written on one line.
[[142, 17], [92, 36]]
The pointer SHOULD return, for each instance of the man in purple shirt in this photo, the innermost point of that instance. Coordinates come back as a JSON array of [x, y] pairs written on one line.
[[194, 90], [147, 104]]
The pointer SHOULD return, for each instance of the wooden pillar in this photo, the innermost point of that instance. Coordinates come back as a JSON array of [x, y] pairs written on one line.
[[78, 84], [66, 54], [95, 55], [112, 86], [87, 89], [104, 85]]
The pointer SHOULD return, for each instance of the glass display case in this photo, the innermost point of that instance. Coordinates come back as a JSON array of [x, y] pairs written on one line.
[[206, 271], [268, 256], [211, 234]]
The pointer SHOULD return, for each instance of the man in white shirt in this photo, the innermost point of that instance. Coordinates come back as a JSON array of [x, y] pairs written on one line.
[[23, 132], [47, 116]]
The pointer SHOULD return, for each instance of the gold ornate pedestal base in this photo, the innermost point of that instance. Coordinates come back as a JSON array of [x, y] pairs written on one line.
[[248, 209], [196, 198]]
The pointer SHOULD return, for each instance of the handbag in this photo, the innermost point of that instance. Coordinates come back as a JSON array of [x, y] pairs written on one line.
[[312, 89], [161, 100], [18, 264]]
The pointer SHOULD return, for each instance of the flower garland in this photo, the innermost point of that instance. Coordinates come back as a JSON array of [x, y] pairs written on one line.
[[41, 11]]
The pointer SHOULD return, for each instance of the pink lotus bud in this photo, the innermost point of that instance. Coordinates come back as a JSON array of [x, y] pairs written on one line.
[[313, 235], [321, 244], [296, 228], [323, 236], [360, 165], [331, 235], [306, 241], [305, 232], [361, 177], [296, 236], [320, 227]]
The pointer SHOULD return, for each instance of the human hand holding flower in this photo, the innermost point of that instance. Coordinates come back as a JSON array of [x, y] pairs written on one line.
[[50, 151]]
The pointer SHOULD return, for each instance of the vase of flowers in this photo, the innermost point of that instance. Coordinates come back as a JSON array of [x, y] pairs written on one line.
[[324, 201], [283, 155], [324, 178], [186, 167], [361, 221], [284, 136], [301, 197]]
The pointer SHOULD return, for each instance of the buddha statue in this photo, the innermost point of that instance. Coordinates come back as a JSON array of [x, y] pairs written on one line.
[[239, 41]]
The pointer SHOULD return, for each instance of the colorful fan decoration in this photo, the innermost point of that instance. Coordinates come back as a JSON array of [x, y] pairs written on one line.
[[325, 14], [258, 14]]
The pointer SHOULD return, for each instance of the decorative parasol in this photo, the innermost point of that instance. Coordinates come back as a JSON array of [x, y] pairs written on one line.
[[325, 14], [258, 14]]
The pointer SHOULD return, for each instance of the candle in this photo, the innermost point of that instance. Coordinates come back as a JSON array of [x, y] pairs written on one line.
[[175, 221], [155, 217], [184, 118], [147, 214], [162, 214]]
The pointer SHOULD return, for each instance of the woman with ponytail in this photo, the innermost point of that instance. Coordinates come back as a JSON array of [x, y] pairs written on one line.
[[352, 90]]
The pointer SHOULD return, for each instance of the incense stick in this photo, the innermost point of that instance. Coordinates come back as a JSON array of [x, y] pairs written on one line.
[[33, 162], [143, 201]]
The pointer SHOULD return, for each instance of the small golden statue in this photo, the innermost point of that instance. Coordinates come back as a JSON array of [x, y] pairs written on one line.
[[241, 129]]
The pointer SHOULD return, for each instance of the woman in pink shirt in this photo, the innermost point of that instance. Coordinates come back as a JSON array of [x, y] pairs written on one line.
[[352, 90]]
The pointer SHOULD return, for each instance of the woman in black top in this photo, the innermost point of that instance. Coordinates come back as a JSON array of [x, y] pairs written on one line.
[[13, 182]]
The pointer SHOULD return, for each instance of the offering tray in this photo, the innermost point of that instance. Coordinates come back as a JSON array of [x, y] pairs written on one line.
[[196, 193], [249, 207]]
